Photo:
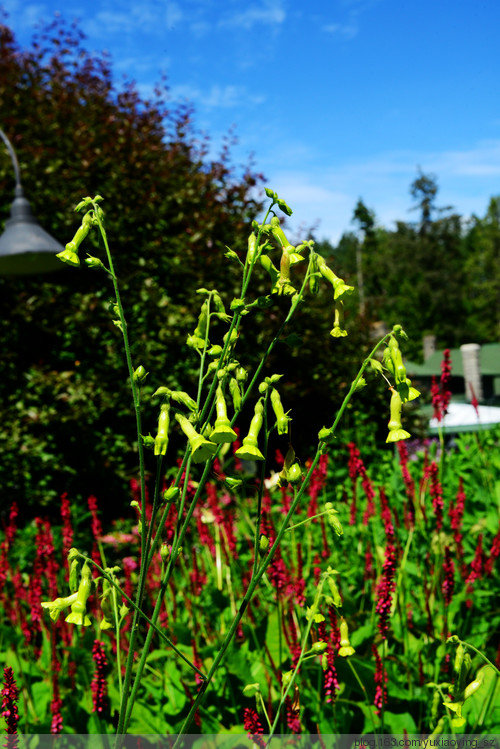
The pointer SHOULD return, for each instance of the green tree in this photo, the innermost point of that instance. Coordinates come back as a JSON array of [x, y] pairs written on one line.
[[482, 275], [170, 211]]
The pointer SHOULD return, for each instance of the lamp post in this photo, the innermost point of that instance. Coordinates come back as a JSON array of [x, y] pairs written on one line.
[[25, 248]]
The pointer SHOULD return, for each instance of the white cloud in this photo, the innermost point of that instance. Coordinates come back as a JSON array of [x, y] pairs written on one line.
[[466, 179], [347, 30], [224, 97], [173, 15], [271, 12]]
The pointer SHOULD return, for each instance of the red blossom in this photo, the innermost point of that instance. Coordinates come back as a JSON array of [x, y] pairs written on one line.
[[357, 470], [441, 394], [380, 679], [99, 686], [436, 492], [10, 695], [387, 583], [476, 568], [408, 481], [494, 553], [448, 585], [456, 514], [254, 727], [67, 527], [292, 716]]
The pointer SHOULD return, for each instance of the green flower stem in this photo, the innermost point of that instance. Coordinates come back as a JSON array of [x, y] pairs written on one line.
[[256, 577], [178, 540], [247, 272], [141, 613], [363, 689], [303, 651], [297, 299], [136, 400], [306, 521], [481, 655]]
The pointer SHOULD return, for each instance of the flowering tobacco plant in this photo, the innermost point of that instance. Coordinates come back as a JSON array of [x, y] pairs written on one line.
[[207, 421]]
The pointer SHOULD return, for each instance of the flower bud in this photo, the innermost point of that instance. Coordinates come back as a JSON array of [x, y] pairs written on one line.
[[263, 543], [286, 679], [319, 647], [171, 494], [140, 375], [294, 474], [94, 262]]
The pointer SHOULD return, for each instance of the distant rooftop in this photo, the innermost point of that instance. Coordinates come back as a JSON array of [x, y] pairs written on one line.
[[489, 362]]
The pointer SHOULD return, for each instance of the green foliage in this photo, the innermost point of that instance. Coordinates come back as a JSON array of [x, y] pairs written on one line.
[[174, 211], [418, 660]]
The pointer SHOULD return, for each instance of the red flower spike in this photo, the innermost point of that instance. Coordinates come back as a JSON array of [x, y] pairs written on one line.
[[99, 686], [254, 727], [10, 695]]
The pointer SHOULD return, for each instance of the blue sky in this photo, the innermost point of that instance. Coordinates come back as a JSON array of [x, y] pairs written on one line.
[[335, 99]]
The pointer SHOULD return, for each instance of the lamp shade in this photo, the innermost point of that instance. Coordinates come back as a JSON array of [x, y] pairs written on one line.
[[26, 248]]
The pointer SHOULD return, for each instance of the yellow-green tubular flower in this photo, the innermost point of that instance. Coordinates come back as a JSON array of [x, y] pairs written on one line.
[[396, 431], [161, 439], [268, 265], [249, 450], [339, 285], [345, 646], [277, 233], [70, 253], [220, 310], [107, 621], [252, 249], [336, 597], [234, 389], [78, 613], [284, 284], [331, 514], [282, 418], [314, 274], [197, 340], [338, 330], [404, 387], [201, 448], [222, 431], [397, 360], [55, 607]]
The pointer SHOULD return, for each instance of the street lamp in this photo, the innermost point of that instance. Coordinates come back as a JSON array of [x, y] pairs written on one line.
[[25, 248]]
